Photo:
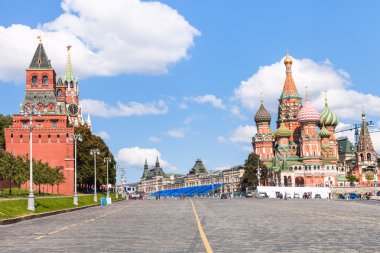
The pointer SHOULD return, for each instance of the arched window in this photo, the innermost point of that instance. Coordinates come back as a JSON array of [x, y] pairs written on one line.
[[59, 93], [66, 84], [361, 157], [369, 157], [71, 84], [328, 167], [34, 80], [44, 80]]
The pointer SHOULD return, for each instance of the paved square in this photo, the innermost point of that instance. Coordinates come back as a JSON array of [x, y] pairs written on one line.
[[231, 225]]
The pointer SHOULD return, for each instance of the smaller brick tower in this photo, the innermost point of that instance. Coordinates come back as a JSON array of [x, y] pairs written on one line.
[[263, 141], [366, 154]]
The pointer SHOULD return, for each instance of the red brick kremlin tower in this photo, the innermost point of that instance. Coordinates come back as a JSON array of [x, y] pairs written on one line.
[[57, 105]]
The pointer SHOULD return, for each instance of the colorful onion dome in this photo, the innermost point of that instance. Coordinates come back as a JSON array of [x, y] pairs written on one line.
[[308, 113], [282, 131], [262, 115], [324, 133], [328, 118]]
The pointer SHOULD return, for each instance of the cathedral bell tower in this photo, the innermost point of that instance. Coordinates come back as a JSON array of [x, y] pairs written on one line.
[[289, 103]]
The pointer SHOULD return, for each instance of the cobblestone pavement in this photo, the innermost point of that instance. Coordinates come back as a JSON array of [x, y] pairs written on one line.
[[231, 225]]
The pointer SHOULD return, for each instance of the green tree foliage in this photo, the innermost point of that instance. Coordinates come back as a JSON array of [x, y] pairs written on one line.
[[85, 161], [352, 178], [5, 121], [21, 171], [250, 178], [369, 176]]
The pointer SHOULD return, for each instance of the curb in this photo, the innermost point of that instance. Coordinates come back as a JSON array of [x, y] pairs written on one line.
[[34, 216]]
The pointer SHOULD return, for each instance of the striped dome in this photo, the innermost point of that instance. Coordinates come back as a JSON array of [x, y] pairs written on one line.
[[282, 131], [308, 113], [324, 133], [328, 118], [262, 115]]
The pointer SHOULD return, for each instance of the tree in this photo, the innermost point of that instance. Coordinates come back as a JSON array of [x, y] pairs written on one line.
[[250, 172], [369, 176], [7, 163], [85, 161], [22, 171], [352, 178], [5, 121]]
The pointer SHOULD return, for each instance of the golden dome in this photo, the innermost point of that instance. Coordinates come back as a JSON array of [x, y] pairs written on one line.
[[288, 60]]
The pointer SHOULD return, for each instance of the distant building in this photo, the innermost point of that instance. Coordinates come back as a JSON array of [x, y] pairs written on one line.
[[365, 155], [154, 179]]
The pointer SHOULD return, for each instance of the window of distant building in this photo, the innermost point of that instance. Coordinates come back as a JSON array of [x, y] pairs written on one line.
[[34, 80], [54, 124], [45, 80]]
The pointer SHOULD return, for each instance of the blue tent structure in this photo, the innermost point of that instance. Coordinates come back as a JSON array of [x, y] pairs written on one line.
[[187, 191]]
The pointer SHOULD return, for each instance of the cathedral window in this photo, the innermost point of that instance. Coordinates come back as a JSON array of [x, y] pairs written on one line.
[[34, 80], [44, 80]]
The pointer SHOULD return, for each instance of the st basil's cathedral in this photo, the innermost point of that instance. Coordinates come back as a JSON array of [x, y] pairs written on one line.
[[297, 154]]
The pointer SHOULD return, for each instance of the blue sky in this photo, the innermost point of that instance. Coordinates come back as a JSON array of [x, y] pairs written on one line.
[[182, 79]]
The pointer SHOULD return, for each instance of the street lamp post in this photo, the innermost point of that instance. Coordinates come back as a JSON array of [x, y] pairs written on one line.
[[116, 168], [95, 152], [30, 111], [258, 175], [75, 138], [107, 160]]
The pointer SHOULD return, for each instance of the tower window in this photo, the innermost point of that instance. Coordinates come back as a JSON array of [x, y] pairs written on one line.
[[34, 80], [368, 157], [71, 84], [44, 80], [66, 84], [54, 124], [58, 93]]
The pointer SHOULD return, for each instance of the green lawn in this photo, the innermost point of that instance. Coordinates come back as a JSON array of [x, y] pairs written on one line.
[[17, 208], [4, 193]]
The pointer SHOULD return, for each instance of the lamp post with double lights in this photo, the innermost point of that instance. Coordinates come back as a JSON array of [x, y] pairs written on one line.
[[107, 160], [30, 111], [75, 138], [95, 152]]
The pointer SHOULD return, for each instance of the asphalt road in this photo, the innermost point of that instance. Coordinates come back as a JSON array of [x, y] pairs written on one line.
[[231, 225]]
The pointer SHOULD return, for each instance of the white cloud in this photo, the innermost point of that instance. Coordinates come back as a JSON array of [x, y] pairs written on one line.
[[176, 133], [132, 157], [183, 106], [208, 99], [154, 139], [243, 134], [318, 77], [100, 108], [135, 156], [108, 38], [104, 135], [235, 111], [222, 139], [191, 118]]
